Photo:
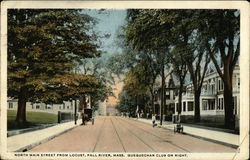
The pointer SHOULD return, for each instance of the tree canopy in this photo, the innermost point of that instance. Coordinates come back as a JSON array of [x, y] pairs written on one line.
[[42, 46], [186, 40]]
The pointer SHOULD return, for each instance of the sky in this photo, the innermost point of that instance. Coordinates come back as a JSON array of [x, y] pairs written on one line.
[[109, 22]]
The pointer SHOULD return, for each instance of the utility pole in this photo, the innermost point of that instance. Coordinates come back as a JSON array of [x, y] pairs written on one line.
[[75, 111]]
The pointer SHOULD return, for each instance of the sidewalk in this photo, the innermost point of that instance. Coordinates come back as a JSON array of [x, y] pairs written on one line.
[[212, 135], [26, 141]]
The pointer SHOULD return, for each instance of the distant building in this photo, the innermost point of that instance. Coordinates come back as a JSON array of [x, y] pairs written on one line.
[[111, 110], [102, 110], [66, 106]]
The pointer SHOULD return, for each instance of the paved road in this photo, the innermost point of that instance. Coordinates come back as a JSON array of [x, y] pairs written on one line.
[[117, 134]]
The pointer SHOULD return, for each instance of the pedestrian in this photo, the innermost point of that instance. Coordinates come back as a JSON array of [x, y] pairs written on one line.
[[153, 120]]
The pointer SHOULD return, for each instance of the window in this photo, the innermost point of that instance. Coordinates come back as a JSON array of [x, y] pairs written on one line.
[[190, 106], [204, 88], [37, 107], [49, 106], [184, 106], [171, 94], [167, 95], [10, 105], [211, 104], [204, 105], [238, 82], [220, 104], [67, 107], [220, 85], [212, 89]]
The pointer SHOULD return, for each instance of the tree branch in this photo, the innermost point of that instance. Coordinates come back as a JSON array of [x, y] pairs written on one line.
[[211, 53], [236, 55], [204, 72]]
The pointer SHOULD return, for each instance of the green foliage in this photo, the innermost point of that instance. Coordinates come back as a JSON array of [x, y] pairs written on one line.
[[136, 80], [127, 102], [44, 45], [183, 39], [71, 86], [100, 94]]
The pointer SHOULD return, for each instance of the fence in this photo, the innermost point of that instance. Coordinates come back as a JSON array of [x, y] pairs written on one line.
[[65, 116]]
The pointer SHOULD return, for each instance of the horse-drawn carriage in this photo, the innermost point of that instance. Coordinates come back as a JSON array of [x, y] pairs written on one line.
[[87, 116]]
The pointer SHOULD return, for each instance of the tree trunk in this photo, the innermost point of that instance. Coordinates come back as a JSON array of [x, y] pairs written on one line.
[[180, 98], [197, 105], [162, 92], [152, 101], [21, 111], [229, 120]]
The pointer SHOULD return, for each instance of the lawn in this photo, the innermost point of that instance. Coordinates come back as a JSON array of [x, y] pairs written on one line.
[[209, 124], [33, 119]]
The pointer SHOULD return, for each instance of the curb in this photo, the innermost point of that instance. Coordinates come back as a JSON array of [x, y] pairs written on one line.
[[30, 146], [215, 141], [21, 131], [196, 136], [207, 139], [209, 128]]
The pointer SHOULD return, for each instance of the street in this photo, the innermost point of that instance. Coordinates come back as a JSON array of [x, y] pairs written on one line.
[[118, 134]]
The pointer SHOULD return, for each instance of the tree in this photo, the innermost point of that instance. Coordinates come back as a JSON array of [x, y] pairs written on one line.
[[102, 92], [190, 45], [131, 58], [43, 44], [179, 65], [164, 33], [223, 42], [148, 35], [138, 81], [127, 102]]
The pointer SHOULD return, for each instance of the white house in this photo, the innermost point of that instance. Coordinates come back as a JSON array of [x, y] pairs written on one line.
[[66, 106], [211, 99]]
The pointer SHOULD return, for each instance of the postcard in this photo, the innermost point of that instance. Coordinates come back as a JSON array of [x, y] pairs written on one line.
[[124, 80]]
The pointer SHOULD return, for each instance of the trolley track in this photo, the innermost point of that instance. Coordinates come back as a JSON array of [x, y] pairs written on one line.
[[99, 135], [138, 137], [150, 133], [118, 135]]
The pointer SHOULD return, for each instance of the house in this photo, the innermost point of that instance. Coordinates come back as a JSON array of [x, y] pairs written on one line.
[[66, 106], [211, 98], [170, 89]]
